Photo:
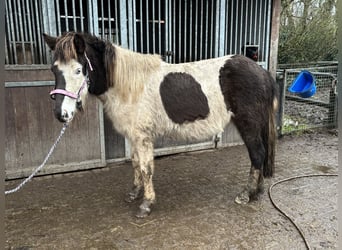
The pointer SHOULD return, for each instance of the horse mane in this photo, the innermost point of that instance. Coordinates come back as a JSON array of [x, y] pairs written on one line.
[[128, 71]]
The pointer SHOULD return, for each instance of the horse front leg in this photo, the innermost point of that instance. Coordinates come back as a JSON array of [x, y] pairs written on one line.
[[146, 164], [138, 185]]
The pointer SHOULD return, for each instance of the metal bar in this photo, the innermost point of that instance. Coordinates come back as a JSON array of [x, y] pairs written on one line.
[[196, 29], [127, 149], [260, 27], [54, 168], [59, 27], [8, 45], [30, 35], [147, 28], [206, 28], [220, 28], [95, 18], [130, 25], [167, 30], [255, 24], [103, 33], [190, 33], [116, 23], [90, 11], [6, 52], [206, 34], [29, 84], [82, 16], [109, 23], [33, 24], [66, 16], [183, 148], [14, 34], [185, 38], [102, 133], [141, 28], [201, 33], [239, 42], [246, 25], [21, 38], [153, 28], [134, 25], [174, 32], [236, 35], [38, 26], [268, 23], [213, 41], [308, 101], [180, 32], [159, 29], [281, 111], [232, 29], [74, 15]]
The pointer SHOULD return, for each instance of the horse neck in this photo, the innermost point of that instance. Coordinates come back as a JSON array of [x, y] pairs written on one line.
[[131, 71]]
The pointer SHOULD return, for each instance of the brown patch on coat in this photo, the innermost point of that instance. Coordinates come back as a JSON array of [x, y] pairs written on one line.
[[183, 98]]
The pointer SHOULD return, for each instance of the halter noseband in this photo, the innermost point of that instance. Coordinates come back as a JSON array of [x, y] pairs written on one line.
[[71, 94]]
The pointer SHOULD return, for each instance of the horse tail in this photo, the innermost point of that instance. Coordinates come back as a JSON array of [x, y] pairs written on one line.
[[270, 137]]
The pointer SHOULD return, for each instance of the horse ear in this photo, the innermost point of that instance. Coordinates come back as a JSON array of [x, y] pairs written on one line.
[[50, 41], [79, 44]]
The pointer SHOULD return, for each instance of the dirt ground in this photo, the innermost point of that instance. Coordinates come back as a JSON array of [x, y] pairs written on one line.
[[195, 203]]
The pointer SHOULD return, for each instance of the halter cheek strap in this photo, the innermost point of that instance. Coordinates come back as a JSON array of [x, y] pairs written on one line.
[[70, 94]]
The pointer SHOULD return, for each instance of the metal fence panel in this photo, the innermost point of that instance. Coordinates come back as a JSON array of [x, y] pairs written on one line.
[[300, 114]]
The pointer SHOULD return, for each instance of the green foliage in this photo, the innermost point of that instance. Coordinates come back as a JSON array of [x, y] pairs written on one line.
[[311, 36]]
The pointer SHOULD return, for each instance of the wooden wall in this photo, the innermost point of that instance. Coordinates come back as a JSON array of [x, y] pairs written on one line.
[[90, 140]]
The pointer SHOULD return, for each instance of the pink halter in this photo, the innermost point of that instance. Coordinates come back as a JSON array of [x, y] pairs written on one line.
[[70, 94]]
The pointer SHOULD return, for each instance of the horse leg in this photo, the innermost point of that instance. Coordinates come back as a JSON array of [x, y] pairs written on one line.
[[255, 183], [138, 186], [146, 163]]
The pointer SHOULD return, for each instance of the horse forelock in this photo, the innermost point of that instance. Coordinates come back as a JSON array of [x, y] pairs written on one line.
[[65, 48]]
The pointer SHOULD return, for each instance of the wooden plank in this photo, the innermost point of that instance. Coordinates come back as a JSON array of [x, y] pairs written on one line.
[[21, 127], [34, 96], [17, 74], [10, 139], [114, 142]]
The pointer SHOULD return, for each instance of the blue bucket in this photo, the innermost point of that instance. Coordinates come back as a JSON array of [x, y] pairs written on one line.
[[304, 85]]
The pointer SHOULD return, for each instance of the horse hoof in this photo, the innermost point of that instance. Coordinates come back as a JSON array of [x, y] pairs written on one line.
[[242, 198], [134, 195], [144, 209], [142, 213]]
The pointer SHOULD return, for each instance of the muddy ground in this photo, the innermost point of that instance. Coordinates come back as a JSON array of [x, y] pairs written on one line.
[[195, 209]]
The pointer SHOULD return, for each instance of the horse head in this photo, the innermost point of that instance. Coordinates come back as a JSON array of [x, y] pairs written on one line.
[[78, 66]]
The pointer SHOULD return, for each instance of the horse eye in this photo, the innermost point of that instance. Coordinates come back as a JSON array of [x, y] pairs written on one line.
[[78, 71]]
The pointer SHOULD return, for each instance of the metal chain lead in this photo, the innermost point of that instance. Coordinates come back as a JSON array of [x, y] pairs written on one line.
[[65, 125]]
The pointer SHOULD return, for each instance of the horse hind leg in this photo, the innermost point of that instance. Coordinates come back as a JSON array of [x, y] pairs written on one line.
[[255, 184]]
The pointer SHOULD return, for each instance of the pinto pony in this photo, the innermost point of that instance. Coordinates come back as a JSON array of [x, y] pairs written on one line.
[[146, 98]]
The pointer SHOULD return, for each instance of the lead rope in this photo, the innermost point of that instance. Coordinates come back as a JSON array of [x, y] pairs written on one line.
[[65, 125]]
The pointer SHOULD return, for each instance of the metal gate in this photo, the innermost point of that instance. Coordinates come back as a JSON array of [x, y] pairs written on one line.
[[178, 30]]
